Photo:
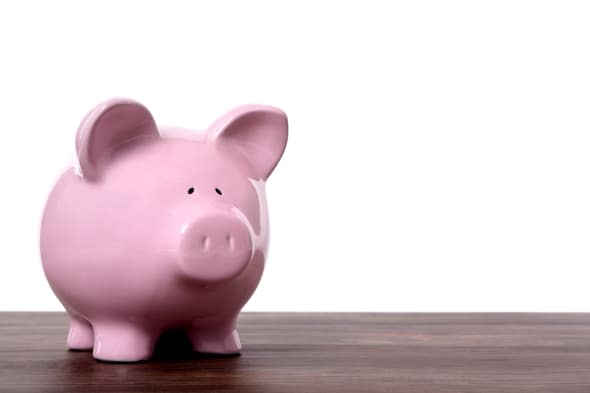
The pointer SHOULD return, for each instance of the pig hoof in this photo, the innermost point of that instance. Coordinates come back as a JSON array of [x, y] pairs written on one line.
[[122, 344], [215, 344], [80, 337]]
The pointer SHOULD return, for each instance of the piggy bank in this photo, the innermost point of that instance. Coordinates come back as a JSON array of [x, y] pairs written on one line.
[[160, 228]]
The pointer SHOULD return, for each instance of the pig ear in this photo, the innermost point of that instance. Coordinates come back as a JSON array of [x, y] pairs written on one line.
[[107, 126], [257, 132]]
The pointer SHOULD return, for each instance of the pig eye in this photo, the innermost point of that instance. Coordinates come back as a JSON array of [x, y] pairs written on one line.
[[191, 190], [217, 190]]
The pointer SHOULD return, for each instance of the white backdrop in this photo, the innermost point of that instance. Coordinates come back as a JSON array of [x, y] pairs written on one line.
[[438, 157]]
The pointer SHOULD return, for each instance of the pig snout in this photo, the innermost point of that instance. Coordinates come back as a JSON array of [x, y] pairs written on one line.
[[215, 248]]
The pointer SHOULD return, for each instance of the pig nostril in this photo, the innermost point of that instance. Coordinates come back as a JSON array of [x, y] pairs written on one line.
[[205, 243], [230, 241]]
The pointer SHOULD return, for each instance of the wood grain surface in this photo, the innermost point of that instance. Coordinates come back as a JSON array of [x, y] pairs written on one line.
[[333, 352]]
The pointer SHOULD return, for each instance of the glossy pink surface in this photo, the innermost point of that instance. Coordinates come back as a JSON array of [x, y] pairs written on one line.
[[160, 228]]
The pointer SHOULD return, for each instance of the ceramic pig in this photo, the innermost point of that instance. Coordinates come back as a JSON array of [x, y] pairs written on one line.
[[158, 228]]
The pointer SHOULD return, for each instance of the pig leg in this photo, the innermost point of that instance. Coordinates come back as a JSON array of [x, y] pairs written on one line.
[[219, 339], [80, 337], [122, 342]]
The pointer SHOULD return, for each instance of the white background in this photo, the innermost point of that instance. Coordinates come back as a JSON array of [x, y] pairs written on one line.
[[439, 152]]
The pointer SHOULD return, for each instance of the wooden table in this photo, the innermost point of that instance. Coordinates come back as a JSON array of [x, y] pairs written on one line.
[[305, 352]]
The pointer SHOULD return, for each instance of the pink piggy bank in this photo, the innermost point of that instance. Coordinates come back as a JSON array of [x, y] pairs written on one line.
[[159, 228]]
